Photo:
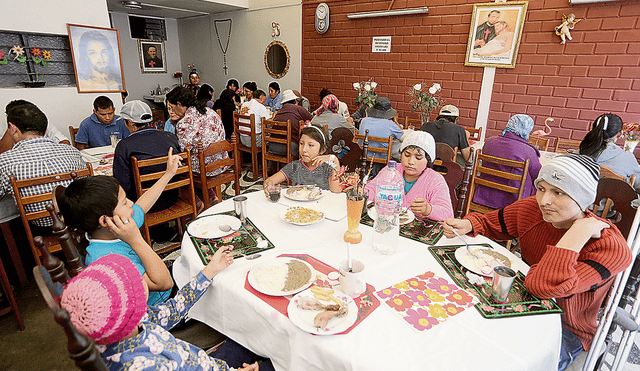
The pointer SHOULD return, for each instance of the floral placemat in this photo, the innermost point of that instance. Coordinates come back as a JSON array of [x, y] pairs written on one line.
[[426, 300], [426, 230], [243, 243], [366, 302], [520, 302]]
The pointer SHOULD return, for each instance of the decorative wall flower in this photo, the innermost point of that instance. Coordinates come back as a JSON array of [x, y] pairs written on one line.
[[36, 52], [40, 57], [3, 60], [425, 101]]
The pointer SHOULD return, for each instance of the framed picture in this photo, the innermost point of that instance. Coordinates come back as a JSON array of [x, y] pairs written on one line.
[[495, 34], [152, 56], [97, 60]]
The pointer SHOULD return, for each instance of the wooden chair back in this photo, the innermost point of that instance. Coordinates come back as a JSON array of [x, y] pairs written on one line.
[[345, 148], [247, 127], [444, 151], [480, 168], [566, 145], [463, 191], [275, 132], [605, 172], [184, 207], [22, 190], [416, 123], [613, 202], [72, 133], [446, 165], [371, 156], [203, 182], [475, 133], [541, 143]]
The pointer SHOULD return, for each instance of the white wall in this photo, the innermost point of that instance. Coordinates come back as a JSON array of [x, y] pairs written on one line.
[[251, 33], [62, 105], [138, 83]]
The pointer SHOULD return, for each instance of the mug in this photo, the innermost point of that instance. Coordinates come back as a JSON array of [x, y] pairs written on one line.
[[352, 282], [240, 206]]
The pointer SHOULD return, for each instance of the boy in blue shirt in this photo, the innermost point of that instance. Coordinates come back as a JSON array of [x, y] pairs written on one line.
[[99, 206]]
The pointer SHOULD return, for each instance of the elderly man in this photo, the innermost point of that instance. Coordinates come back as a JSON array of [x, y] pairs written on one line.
[[445, 130], [33, 156], [97, 129]]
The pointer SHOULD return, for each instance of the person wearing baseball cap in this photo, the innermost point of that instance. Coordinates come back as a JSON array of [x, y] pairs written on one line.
[[290, 110], [148, 142], [445, 130], [573, 254], [425, 191]]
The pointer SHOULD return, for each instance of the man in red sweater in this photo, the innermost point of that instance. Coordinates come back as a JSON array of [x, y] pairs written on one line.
[[574, 255]]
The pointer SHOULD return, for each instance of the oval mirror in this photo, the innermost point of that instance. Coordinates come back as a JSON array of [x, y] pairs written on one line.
[[276, 59]]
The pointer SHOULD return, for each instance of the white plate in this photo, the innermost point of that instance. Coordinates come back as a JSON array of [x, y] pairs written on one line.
[[303, 318], [283, 214], [303, 195], [373, 214], [209, 226], [479, 266], [253, 281]]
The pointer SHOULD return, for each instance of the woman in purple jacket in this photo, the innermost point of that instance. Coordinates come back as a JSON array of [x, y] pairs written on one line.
[[512, 145]]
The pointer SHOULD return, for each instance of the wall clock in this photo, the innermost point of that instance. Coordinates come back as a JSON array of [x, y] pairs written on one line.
[[322, 18]]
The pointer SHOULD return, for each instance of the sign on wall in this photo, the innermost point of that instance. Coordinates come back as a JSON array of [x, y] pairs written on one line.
[[381, 44]]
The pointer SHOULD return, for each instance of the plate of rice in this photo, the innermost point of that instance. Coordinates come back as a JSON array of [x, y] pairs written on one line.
[[481, 260], [299, 215], [303, 193], [281, 276]]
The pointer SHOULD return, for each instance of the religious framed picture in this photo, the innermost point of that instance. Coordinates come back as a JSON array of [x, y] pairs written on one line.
[[495, 34], [152, 56], [97, 59]]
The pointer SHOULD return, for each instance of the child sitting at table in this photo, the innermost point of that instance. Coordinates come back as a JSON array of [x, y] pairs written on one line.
[[574, 255], [99, 206], [425, 190], [313, 167], [107, 302]]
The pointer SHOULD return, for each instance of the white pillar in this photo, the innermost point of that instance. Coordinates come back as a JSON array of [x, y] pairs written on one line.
[[485, 100]]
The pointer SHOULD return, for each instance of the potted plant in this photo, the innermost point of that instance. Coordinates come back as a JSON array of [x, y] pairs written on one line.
[[631, 136], [366, 92], [425, 100], [38, 57]]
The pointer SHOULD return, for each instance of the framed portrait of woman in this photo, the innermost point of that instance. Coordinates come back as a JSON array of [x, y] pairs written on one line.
[[494, 37], [152, 56], [97, 59]]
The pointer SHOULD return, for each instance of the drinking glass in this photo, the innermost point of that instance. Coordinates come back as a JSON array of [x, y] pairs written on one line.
[[274, 192]]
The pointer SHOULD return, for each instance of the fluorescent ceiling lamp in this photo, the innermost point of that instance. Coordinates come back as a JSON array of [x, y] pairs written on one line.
[[388, 13]]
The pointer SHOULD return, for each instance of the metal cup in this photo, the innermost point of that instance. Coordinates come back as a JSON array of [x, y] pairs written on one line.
[[503, 278], [240, 206]]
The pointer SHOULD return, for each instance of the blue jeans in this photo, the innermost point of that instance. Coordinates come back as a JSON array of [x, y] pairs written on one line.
[[569, 350]]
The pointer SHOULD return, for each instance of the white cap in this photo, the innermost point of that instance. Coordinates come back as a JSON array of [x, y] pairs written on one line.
[[288, 95], [449, 110], [137, 111]]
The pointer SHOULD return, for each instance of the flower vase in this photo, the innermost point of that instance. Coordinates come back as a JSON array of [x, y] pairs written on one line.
[[630, 145], [354, 214]]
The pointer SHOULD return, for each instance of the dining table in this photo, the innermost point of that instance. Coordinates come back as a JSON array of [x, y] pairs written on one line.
[[101, 159], [380, 340]]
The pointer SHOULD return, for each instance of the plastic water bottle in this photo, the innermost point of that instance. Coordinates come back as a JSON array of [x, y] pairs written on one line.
[[388, 203]]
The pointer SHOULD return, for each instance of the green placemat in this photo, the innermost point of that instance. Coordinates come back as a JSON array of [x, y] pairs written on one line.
[[426, 230], [520, 302], [243, 243]]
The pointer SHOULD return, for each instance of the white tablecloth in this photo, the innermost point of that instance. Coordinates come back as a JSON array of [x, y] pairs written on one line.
[[466, 341], [95, 155]]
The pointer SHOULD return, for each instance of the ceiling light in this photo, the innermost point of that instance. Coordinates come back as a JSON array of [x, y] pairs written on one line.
[[388, 13], [131, 4]]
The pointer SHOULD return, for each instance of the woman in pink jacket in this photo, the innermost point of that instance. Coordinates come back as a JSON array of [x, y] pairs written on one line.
[[425, 190]]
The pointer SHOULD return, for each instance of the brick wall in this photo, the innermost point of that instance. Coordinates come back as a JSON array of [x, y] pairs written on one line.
[[598, 71]]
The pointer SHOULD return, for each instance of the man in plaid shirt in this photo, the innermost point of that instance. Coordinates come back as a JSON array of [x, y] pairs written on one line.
[[33, 156]]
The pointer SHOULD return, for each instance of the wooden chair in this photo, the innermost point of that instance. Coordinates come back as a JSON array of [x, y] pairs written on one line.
[[566, 145], [480, 168], [8, 292], [72, 133], [463, 191], [247, 127], [605, 172], [204, 183], [417, 123], [184, 207], [446, 165], [444, 151], [275, 132], [51, 278], [345, 148], [475, 133], [374, 150], [25, 200], [541, 143], [613, 202]]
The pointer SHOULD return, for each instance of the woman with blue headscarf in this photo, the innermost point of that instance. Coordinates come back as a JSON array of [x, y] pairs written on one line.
[[511, 145]]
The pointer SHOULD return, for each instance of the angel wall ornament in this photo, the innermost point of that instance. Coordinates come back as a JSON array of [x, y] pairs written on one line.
[[568, 22]]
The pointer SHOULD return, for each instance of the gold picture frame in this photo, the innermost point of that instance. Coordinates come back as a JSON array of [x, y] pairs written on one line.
[[153, 57], [97, 59], [494, 37]]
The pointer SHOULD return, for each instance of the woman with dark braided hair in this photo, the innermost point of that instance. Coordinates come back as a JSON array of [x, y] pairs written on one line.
[[600, 144]]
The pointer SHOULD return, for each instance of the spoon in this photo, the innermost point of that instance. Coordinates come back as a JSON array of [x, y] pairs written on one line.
[[455, 231], [227, 228]]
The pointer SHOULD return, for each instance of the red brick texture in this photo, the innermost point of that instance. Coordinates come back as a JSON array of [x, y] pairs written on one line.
[[598, 71]]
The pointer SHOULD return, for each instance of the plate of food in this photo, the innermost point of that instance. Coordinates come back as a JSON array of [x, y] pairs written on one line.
[[406, 215], [209, 226], [481, 260], [281, 276], [322, 311], [303, 193], [299, 215]]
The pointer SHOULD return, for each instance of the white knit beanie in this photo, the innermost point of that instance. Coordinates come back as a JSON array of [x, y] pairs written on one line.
[[575, 175], [422, 140]]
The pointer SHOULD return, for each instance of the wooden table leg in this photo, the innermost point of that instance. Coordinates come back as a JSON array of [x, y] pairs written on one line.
[[15, 254]]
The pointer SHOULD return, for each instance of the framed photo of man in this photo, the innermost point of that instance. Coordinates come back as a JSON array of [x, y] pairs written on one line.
[[495, 34], [97, 59], [152, 56]]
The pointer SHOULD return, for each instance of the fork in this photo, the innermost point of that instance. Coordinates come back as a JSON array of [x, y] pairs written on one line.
[[455, 231]]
